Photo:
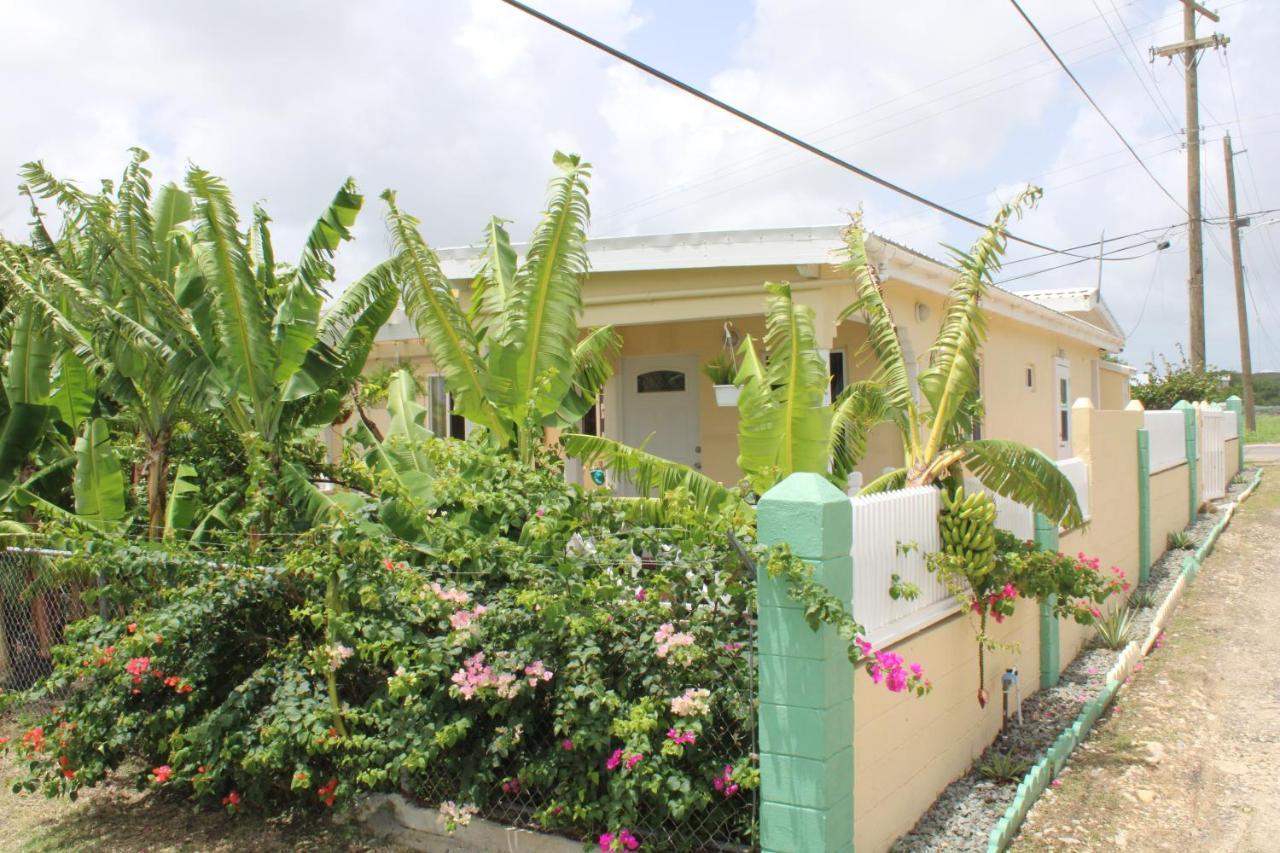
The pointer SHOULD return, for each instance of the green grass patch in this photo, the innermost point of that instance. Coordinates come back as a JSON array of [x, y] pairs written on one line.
[[1268, 431]]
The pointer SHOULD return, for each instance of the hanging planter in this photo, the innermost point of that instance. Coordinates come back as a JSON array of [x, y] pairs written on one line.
[[727, 395], [723, 369]]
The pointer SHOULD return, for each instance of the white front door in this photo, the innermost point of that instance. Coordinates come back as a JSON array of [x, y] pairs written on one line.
[[1062, 406], [660, 406]]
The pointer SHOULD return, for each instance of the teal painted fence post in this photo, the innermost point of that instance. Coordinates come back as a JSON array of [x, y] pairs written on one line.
[[1236, 405], [1193, 455], [1047, 540], [1144, 505], [806, 679]]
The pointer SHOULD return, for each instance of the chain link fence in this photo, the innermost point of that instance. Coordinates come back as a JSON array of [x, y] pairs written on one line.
[[35, 608]]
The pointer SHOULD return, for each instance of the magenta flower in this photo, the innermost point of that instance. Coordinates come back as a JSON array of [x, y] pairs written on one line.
[[640, 594], [566, 745], [606, 841], [681, 738], [614, 760], [633, 760]]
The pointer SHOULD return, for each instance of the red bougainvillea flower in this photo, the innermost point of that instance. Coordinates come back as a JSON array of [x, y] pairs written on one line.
[[159, 639], [34, 738], [3, 741], [137, 666], [200, 769], [132, 627], [162, 773], [232, 800], [325, 791]]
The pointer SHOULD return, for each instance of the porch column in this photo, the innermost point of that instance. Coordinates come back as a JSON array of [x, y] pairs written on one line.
[[806, 679]]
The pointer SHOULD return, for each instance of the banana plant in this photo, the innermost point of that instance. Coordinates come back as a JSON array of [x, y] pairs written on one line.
[[175, 311], [783, 425], [937, 430], [513, 360]]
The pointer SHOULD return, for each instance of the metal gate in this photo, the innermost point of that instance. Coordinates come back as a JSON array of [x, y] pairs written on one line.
[[1213, 456]]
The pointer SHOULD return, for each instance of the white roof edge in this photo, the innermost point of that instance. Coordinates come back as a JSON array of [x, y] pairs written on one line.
[[789, 247]]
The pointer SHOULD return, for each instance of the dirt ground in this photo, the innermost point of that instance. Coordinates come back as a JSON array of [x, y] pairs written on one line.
[[1189, 757], [117, 817]]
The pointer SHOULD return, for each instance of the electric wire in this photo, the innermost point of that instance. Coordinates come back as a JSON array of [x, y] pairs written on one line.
[[1090, 99], [1129, 60], [761, 124]]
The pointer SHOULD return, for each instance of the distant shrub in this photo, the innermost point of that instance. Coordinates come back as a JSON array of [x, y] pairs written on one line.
[[1171, 382]]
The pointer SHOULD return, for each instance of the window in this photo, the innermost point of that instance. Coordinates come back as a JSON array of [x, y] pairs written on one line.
[[1064, 409], [440, 416], [659, 382], [835, 366], [1029, 377]]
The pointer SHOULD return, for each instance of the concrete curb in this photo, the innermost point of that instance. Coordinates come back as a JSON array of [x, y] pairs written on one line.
[[395, 819], [1051, 763]]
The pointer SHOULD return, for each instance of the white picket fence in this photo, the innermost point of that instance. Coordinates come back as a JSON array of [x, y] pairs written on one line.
[[1167, 432], [892, 533]]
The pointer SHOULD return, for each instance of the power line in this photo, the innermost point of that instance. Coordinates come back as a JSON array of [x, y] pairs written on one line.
[[820, 134], [1129, 60], [1094, 259], [1094, 103], [761, 124]]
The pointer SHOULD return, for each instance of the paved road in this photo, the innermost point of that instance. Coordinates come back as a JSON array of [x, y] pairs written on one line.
[[1262, 454], [1190, 757]]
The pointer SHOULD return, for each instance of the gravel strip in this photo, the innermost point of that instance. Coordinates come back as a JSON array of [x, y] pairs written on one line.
[[964, 814]]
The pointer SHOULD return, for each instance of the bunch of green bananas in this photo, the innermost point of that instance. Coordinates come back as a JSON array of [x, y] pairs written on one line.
[[968, 526]]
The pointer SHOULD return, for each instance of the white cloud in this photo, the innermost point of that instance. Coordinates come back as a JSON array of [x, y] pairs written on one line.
[[459, 106]]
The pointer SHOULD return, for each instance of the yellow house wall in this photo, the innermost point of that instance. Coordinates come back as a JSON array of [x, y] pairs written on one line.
[[1108, 442], [907, 750], [1114, 389], [1168, 505]]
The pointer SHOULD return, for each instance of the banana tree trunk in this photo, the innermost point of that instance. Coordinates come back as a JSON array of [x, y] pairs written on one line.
[[157, 483]]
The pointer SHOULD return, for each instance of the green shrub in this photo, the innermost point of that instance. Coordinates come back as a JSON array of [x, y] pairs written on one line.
[[534, 634], [1169, 383], [1180, 540]]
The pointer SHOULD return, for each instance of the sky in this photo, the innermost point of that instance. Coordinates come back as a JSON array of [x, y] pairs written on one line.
[[459, 106]]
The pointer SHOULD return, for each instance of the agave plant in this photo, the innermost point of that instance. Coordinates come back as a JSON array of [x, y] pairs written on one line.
[[513, 360], [937, 431], [783, 424]]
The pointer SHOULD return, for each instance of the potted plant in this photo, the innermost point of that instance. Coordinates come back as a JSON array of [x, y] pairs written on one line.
[[721, 371]]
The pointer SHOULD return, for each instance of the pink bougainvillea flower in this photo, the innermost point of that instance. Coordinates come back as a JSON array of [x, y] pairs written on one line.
[[628, 840], [681, 738], [633, 760], [566, 745], [1056, 783], [162, 773], [641, 594], [606, 841], [614, 760]]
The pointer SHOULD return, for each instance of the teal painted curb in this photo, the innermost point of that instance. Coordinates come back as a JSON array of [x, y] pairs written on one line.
[[1055, 758]]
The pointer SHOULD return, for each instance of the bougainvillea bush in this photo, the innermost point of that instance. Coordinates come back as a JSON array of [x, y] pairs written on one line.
[[540, 652]]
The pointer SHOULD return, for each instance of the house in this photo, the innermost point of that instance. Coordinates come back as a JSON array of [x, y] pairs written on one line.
[[676, 299]]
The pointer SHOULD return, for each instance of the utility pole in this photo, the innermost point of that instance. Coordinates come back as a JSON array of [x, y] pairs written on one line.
[[1246, 365], [1188, 49]]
